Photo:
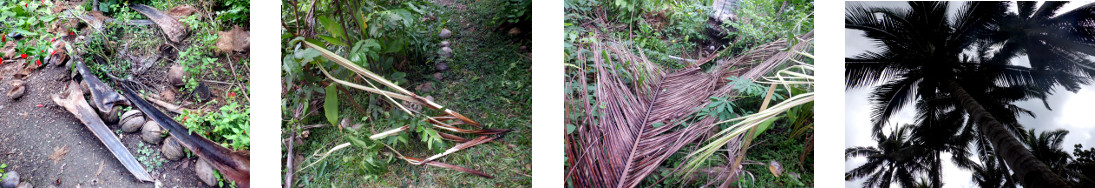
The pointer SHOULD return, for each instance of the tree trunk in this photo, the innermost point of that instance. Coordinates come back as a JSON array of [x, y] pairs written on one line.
[[1026, 167], [936, 171]]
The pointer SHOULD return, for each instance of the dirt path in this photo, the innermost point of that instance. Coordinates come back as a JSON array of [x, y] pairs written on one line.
[[34, 127]]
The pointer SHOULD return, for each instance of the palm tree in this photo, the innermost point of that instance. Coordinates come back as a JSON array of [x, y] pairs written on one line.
[[1047, 148], [896, 159], [1055, 44], [924, 52], [991, 174]]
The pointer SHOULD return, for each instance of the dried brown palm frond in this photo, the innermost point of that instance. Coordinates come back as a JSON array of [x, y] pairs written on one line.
[[446, 122], [641, 110]]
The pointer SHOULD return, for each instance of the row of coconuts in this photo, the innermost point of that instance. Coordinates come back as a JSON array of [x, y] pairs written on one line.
[[151, 132]]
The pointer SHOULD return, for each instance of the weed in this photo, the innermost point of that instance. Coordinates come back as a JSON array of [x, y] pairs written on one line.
[[149, 156], [229, 126]]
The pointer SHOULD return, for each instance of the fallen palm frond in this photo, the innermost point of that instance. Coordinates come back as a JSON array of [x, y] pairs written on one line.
[[446, 122], [643, 111], [74, 102]]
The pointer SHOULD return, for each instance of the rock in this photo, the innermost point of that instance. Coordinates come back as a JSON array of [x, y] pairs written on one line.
[[446, 52], [171, 149], [11, 180], [175, 75], [445, 34], [18, 89], [441, 66], [151, 132], [111, 116], [205, 172], [24, 185], [132, 121], [424, 87], [445, 43], [438, 76], [514, 31]]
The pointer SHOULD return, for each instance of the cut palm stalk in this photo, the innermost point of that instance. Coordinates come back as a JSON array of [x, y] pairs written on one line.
[[373, 76], [74, 102], [235, 165], [449, 166], [171, 27], [104, 97]]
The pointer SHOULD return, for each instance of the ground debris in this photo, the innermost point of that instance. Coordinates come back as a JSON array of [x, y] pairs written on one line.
[[58, 154], [171, 27], [181, 11], [235, 40]]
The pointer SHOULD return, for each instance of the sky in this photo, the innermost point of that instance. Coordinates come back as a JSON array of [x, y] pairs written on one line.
[[1069, 110]]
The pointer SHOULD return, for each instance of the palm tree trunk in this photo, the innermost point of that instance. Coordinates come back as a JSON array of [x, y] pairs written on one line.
[[936, 171], [1026, 167]]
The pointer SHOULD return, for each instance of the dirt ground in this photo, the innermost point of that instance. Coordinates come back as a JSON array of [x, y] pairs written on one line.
[[34, 127]]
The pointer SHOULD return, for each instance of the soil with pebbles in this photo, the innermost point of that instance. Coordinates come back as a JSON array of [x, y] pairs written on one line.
[[32, 127]]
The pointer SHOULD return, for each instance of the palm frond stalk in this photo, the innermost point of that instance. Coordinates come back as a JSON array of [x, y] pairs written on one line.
[[447, 122]]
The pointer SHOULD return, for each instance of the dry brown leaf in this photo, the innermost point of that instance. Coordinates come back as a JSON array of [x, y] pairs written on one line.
[[181, 11], [58, 154], [235, 40]]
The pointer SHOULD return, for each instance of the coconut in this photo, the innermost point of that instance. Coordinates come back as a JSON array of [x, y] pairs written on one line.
[[132, 121], [110, 116], [11, 180], [18, 88], [171, 149], [151, 132], [445, 33], [175, 76], [205, 172]]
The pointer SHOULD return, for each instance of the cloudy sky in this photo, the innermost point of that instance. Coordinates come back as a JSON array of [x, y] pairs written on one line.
[[1068, 111]]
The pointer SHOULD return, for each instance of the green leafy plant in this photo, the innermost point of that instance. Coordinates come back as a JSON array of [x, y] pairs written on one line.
[[229, 126], [149, 156], [236, 12], [512, 11]]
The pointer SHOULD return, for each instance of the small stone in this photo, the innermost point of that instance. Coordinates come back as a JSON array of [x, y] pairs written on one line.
[[11, 180], [424, 87], [446, 52], [441, 66], [438, 76], [445, 34], [151, 132], [524, 48], [445, 43], [514, 31], [205, 172], [24, 185]]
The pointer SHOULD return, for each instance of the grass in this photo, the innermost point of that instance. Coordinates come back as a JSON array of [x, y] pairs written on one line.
[[778, 145], [489, 81]]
